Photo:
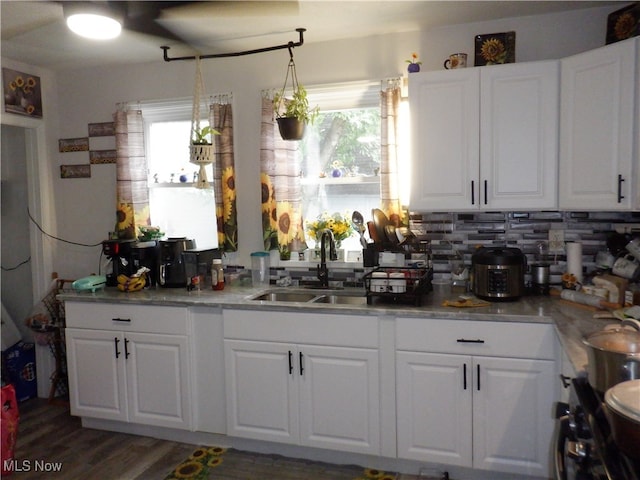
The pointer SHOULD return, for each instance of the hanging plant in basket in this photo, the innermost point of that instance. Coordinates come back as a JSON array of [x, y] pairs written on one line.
[[293, 112], [201, 149]]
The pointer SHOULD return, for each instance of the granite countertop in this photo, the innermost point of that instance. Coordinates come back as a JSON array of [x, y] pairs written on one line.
[[572, 322]]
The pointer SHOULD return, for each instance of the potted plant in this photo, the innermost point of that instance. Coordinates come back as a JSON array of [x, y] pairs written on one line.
[[293, 112], [201, 151]]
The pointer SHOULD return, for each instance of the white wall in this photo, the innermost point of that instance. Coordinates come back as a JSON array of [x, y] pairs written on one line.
[[85, 208]]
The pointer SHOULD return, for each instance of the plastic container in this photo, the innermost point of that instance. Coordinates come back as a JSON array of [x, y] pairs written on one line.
[[379, 282], [397, 282], [260, 265]]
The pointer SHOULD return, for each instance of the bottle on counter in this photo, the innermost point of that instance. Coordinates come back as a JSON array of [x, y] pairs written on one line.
[[217, 274]]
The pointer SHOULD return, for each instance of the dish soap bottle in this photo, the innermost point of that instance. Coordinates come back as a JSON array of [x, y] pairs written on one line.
[[217, 275]]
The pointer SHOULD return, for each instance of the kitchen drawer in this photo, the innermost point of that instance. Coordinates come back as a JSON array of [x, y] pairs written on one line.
[[500, 339], [310, 328], [129, 318]]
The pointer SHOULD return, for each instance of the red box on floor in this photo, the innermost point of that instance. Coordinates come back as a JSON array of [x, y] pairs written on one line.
[[19, 365]]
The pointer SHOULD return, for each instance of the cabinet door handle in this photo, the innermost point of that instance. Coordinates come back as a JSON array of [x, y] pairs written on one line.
[[473, 192], [566, 381], [126, 349], [464, 376], [115, 341], [128, 320], [290, 362], [485, 192], [478, 368], [620, 196], [301, 366], [466, 340]]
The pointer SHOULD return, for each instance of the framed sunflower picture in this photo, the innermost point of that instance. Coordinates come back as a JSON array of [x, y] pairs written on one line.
[[623, 23], [22, 93], [495, 49]]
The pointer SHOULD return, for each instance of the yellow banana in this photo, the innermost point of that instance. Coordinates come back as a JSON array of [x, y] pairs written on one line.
[[131, 284]]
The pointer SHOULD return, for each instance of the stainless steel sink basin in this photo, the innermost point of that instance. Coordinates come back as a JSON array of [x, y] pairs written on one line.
[[285, 297], [342, 299]]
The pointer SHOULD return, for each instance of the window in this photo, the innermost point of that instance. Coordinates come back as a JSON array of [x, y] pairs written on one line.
[[176, 206], [341, 152]]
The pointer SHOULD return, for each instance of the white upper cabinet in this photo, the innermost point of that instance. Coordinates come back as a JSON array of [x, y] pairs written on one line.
[[445, 132], [519, 136], [485, 138], [596, 128]]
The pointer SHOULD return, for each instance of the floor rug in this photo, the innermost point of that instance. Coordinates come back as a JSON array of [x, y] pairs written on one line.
[[216, 463]]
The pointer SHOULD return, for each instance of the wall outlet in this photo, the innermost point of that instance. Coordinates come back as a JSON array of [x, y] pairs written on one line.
[[556, 240]]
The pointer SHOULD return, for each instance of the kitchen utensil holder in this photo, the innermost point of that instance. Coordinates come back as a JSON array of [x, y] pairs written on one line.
[[418, 285]]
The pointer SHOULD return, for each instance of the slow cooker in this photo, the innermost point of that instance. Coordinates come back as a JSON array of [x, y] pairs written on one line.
[[498, 273]]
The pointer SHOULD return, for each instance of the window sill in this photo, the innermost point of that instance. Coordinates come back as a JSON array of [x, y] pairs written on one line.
[[172, 185], [360, 179]]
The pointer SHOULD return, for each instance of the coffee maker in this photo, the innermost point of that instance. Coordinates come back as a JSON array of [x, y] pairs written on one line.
[[171, 266], [120, 254], [145, 254]]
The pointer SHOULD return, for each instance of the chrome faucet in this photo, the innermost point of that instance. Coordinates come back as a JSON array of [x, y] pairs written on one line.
[[323, 273]]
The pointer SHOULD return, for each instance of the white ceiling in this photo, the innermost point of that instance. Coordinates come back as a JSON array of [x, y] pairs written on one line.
[[34, 32]]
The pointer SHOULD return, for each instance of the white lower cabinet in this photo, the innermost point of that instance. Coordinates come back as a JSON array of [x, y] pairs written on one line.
[[126, 371], [474, 410], [324, 396]]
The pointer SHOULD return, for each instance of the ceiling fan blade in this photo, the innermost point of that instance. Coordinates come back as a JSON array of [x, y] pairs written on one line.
[[142, 16]]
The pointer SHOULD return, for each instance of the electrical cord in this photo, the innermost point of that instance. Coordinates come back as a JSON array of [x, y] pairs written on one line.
[[58, 238], [24, 262], [28, 259]]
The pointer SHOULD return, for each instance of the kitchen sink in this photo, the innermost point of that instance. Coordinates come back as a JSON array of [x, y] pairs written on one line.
[[342, 299], [285, 297], [328, 296]]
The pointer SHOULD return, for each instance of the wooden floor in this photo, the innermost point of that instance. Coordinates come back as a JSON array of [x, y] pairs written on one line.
[[53, 445], [50, 438]]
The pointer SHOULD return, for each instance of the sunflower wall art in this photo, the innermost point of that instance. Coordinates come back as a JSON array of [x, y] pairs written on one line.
[[22, 93], [495, 48], [623, 23]]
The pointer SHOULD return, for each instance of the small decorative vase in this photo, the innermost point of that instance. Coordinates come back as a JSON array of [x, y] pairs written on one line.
[[336, 173], [285, 255], [413, 68]]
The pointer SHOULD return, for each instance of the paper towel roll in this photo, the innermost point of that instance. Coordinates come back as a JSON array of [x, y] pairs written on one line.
[[574, 259]]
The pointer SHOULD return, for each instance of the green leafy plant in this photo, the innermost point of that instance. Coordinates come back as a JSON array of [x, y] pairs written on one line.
[[295, 106], [200, 135]]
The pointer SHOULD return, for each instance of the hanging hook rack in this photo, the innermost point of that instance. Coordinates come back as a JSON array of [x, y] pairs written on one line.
[[289, 46]]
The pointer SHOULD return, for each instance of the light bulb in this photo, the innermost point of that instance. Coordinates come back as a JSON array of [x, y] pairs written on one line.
[[97, 27]]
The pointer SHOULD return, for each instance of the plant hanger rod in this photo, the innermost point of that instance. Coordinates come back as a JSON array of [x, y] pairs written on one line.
[[289, 45]]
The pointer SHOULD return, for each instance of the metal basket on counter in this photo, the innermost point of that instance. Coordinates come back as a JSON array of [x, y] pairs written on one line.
[[398, 284]]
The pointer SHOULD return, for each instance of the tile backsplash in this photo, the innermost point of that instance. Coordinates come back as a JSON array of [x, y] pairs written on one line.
[[457, 235]]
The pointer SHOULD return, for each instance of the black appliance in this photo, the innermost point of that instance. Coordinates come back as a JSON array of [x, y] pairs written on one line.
[[498, 273], [145, 254], [584, 447], [171, 266], [120, 254]]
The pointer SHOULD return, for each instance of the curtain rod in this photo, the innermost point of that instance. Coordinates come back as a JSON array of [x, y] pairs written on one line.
[[289, 45]]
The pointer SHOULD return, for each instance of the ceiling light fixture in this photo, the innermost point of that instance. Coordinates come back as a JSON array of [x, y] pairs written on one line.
[[92, 20]]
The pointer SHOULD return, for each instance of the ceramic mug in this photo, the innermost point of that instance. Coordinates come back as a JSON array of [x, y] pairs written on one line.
[[456, 60], [633, 247], [626, 267]]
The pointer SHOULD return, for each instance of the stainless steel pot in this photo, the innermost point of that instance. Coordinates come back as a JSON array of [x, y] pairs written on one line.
[[623, 411], [613, 355]]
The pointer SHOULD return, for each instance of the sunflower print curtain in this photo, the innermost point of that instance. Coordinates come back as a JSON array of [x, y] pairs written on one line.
[[221, 117], [390, 99], [282, 222], [132, 208]]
